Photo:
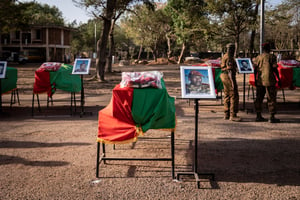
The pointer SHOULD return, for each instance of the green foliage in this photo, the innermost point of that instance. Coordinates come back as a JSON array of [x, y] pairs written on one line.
[[282, 25], [84, 36], [189, 21], [146, 27], [43, 14], [12, 15]]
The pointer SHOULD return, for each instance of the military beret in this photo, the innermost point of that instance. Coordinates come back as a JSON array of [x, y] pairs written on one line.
[[196, 73]]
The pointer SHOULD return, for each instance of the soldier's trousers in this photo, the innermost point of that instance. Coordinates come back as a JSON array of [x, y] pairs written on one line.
[[231, 94], [271, 98]]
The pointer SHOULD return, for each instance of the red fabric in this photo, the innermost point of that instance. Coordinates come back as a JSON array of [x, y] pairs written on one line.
[[115, 122], [42, 82], [285, 74]]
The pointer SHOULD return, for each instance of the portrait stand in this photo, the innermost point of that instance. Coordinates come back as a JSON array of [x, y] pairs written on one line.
[[82, 99], [244, 92], [195, 172], [0, 96], [245, 67]]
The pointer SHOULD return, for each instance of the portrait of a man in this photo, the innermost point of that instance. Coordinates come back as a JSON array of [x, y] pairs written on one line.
[[81, 66], [197, 82], [3, 65], [244, 65]]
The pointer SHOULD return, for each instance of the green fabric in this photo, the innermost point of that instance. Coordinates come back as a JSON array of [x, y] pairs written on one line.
[[153, 108], [296, 77], [64, 79], [10, 81], [218, 81]]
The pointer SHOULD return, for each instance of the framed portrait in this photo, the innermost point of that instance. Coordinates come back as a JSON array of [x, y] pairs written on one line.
[[197, 82], [244, 65], [3, 65], [81, 66]]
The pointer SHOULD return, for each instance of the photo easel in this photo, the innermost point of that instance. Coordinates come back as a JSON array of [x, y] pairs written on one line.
[[82, 99], [0, 96], [195, 172], [86, 62]]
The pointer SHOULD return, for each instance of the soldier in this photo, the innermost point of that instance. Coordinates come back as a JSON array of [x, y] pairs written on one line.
[[195, 86], [265, 66], [228, 77]]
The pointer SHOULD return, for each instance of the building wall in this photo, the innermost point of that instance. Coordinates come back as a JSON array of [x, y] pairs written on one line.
[[50, 42]]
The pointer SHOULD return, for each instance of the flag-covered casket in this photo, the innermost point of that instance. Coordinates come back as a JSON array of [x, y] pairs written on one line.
[[52, 75], [139, 103]]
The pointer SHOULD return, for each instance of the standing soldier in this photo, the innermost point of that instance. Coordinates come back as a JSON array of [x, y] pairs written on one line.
[[228, 77], [265, 67]]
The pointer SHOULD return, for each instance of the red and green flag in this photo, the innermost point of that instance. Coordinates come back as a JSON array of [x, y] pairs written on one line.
[[133, 111], [52, 76]]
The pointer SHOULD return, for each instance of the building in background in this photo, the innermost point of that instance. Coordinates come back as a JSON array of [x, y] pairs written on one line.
[[38, 44]]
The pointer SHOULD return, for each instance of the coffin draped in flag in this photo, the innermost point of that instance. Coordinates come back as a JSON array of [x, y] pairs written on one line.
[[51, 76], [133, 111]]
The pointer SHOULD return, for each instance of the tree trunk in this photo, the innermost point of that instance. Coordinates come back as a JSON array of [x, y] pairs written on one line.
[[102, 44], [237, 42], [169, 53], [111, 48], [253, 32], [181, 53], [140, 52]]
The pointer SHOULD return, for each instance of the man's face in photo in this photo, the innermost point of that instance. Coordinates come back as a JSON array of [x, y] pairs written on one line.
[[245, 64], [196, 80]]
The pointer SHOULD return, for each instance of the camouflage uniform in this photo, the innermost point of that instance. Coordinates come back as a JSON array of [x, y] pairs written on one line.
[[265, 82], [228, 77]]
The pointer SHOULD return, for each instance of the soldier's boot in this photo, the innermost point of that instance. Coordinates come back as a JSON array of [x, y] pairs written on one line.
[[260, 118], [235, 118], [273, 119], [226, 115]]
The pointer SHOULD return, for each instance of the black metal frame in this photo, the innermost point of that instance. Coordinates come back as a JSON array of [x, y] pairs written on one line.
[[14, 97], [50, 99], [82, 99], [101, 156], [0, 96], [195, 165]]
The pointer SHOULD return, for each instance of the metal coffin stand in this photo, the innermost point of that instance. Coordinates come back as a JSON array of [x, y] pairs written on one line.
[[101, 156], [50, 100]]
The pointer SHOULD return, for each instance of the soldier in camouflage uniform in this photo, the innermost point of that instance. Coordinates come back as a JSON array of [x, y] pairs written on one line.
[[265, 69], [228, 77]]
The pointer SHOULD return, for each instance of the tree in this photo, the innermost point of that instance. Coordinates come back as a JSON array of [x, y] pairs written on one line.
[[13, 15], [105, 11], [83, 38], [282, 25], [147, 28], [234, 15], [187, 19], [43, 14]]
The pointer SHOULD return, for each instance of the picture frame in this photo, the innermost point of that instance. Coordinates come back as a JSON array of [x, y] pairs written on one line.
[[81, 66], [244, 65], [3, 66], [197, 82]]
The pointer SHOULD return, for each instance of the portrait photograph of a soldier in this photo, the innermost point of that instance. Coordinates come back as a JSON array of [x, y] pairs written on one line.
[[196, 82]]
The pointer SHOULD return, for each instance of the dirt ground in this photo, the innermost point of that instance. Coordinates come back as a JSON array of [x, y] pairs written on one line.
[[52, 155]]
